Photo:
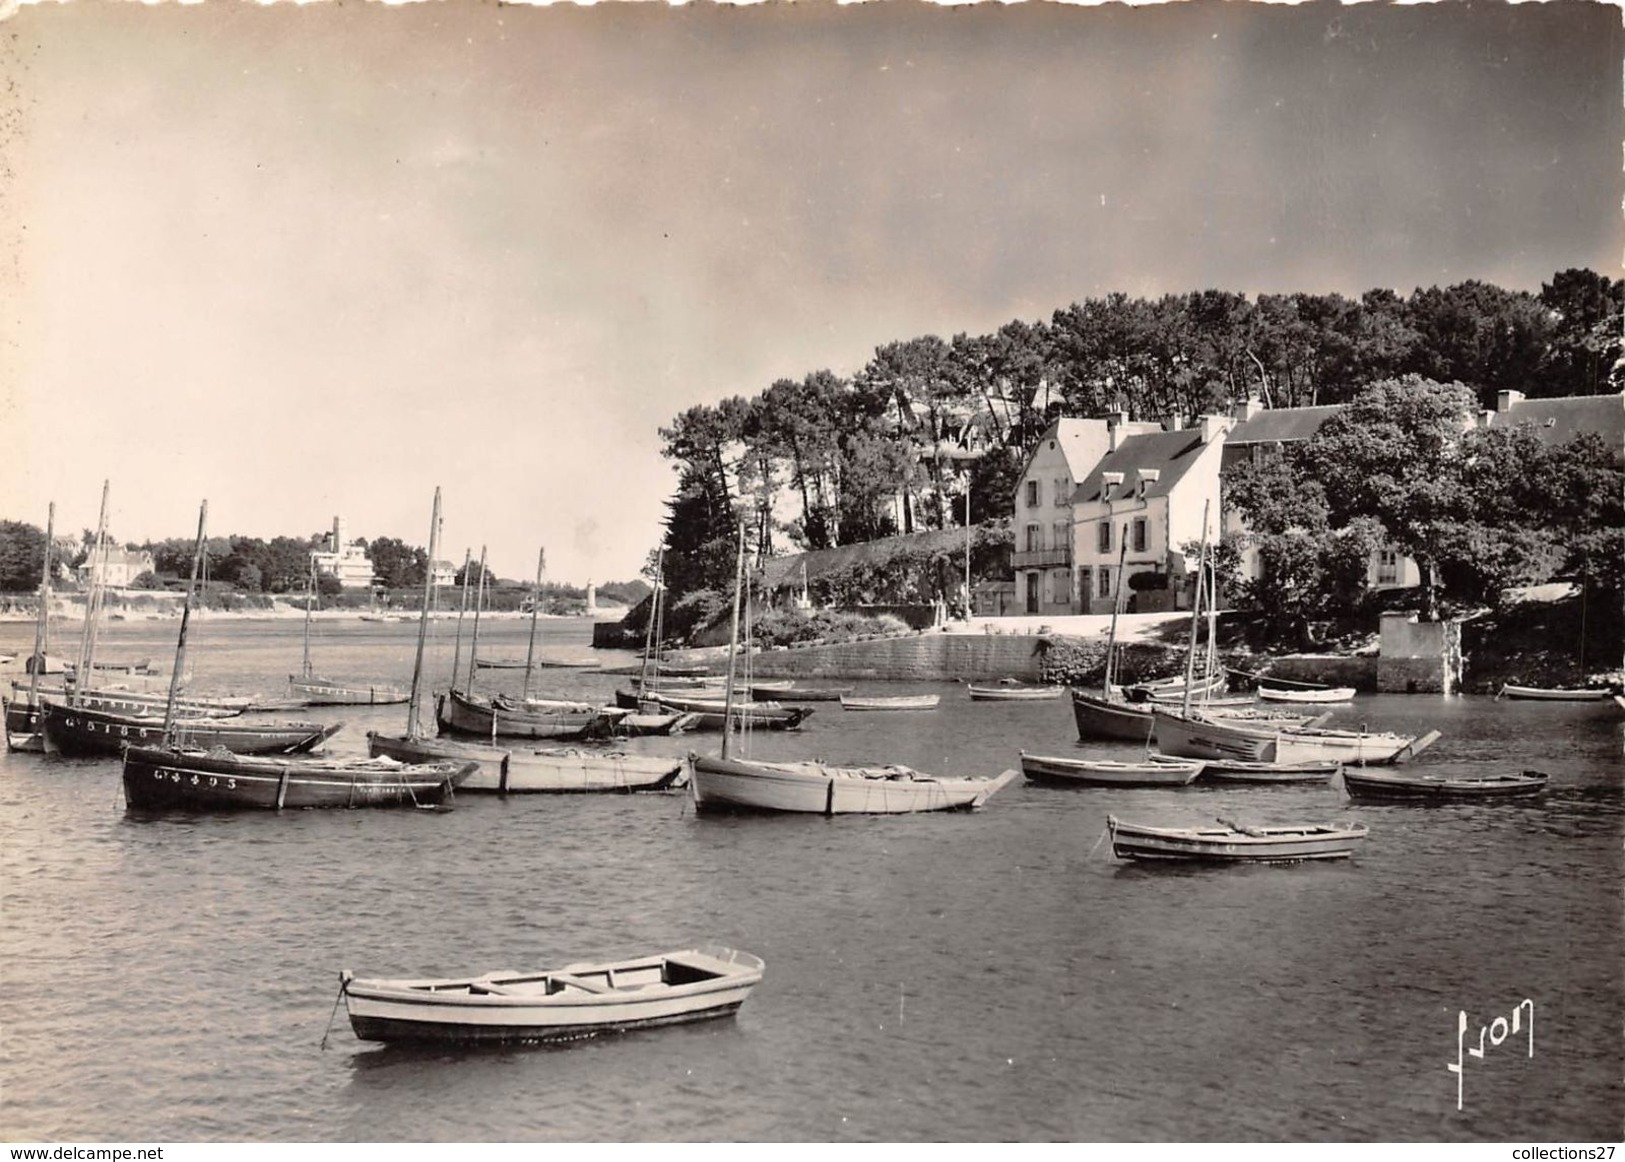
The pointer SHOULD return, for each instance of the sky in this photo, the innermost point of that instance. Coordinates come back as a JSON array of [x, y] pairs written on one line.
[[316, 260]]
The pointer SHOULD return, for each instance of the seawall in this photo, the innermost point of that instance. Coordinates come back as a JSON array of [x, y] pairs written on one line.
[[924, 657]]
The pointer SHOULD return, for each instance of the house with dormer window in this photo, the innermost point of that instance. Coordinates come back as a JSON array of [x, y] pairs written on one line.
[[1043, 519], [1140, 505]]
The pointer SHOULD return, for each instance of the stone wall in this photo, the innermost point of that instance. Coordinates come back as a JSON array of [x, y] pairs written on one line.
[[1327, 669], [922, 657]]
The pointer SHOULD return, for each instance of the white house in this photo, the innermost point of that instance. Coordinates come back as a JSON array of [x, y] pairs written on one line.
[[1067, 451], [1141, 504], [345, 560], [121, 567]]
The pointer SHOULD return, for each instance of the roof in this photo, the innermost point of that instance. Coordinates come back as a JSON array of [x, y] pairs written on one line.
[[1169, 454], [1282, 425], [1559, 419], [116, 556], [785, 572]]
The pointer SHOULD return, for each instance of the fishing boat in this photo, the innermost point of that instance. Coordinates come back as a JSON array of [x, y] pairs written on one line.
[[318, 691], [1234, 843], [525, 770], [801, 693], [897, 702], [1107, 773], [1014, 693], [1540, 694], [176, 776], [725, 783], [1330, 695], [499, 663], [457, 712], [118, 701], [161, 778], [77, 732], [1239, 771], [711, 713], [22, 723], [1418, 787], [1201, 736], [565, 1004]]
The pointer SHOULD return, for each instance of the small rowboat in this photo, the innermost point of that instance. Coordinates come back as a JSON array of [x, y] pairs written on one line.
[[1538, 694], [1015, 693], [899, 702], [1157, 773], [1232, 843], [526, 770], [1410, 787], [566, 1004], [1335, 694], [1238, 771], [814, 788]]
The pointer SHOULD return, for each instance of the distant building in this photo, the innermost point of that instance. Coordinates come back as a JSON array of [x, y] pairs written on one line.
[[443, 574], [343, 560], [1559, 419], [122, 567]]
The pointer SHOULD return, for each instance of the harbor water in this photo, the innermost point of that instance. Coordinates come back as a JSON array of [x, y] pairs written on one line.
[[986, 976]]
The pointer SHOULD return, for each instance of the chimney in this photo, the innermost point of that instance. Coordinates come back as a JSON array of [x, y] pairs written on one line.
[[1115, 423], [1247, 409], [1504, 400], [1173, 423], [1213, 427], [338, 533]]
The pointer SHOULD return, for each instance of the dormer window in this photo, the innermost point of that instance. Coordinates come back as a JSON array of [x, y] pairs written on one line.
[[1109, 481], [1148, 477]]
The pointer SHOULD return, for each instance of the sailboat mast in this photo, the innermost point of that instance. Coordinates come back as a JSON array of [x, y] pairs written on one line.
[[1196, 611], [649, 629], [180, 641], [474, 642], [42, 627], [535, 605], [414, 705], [87, 637], [1117, 606], [733, 646], [310, 597], [457, 651]]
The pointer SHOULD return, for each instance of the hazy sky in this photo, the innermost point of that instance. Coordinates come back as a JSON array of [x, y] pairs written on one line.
[[314, 260]]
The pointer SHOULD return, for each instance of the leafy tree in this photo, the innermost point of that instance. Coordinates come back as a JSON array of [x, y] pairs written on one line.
[[22, 556], [397, 564], [1588, 330]]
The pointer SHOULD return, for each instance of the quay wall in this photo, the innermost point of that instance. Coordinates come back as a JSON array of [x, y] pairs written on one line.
[[923, 657], [1328, 669]]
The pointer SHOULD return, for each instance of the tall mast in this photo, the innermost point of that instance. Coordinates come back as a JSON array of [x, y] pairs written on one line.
[[474, 644], [1117, 605], [457, 652], [733, 646], [414, 706], [42, 628], [87, 637], [186, 616], [649, 639], [310, 596], [535, 605], [1196, 611]]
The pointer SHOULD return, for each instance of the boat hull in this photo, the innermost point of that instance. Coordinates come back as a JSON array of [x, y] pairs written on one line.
[[526, 1013], [1015, 693], [915, 702], [458, 714], [1392, 787], [1232, 771], [1200, 738], [320, 693], [80, 733], [816, 789], [23, 727], [521, 771], [167, 778], [1538, 694], [1101, 718], [1225, 845], [709, 713], [1312, 697], [1053, 769]]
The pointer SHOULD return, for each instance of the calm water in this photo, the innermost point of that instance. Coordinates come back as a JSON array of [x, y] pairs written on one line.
[[985, 976]]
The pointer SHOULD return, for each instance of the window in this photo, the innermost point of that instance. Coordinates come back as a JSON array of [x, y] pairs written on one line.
[[1105, 576], [1032, 494], [1063, 492], [1139, 534], [1103, 536], [1035, 538], [1062, 534], [1063, 586], [1387, 567]]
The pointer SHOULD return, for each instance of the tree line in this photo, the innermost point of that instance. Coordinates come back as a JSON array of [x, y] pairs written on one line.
[[930, 433]]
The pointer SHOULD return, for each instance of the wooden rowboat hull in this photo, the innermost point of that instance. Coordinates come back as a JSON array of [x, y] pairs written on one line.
[[1396, 788], [1051, 769], [568, 1005], [521, 770], [1225, 845], [320, 693], [814, 789], [920, 702], [171, 778], [1538, 694], [1015, 693]]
